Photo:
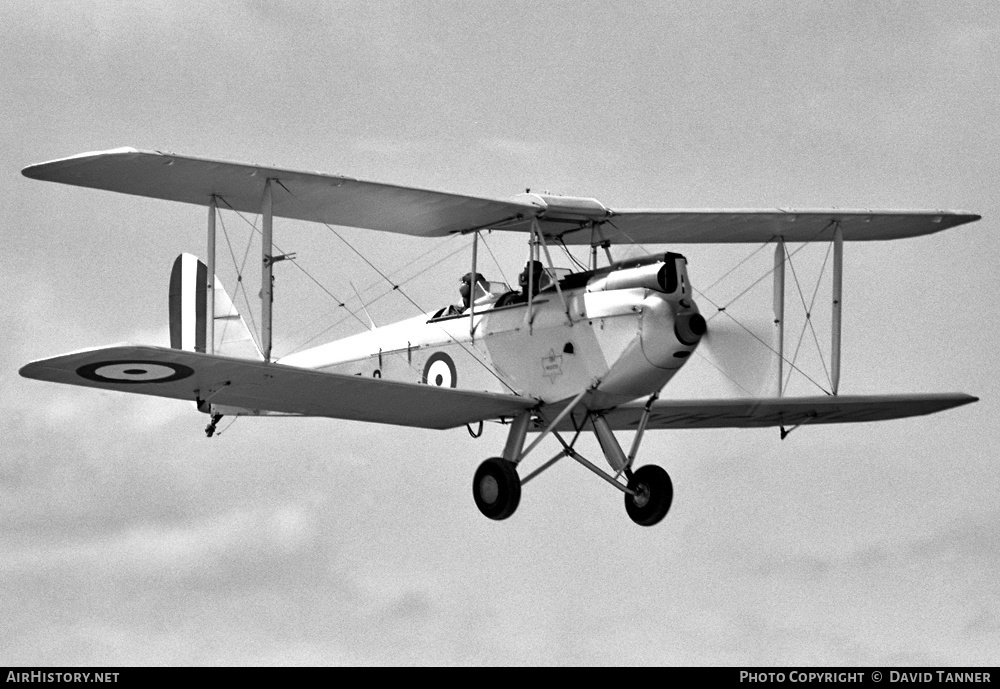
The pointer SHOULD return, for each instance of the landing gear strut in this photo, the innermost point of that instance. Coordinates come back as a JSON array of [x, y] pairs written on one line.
[[496, 488]]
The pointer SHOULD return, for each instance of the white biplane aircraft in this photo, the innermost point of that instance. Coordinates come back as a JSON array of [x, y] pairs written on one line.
[[565, 353]]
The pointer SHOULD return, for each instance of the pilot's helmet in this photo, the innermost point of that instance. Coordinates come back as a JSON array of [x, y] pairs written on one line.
[[535, 267], [465, 286]]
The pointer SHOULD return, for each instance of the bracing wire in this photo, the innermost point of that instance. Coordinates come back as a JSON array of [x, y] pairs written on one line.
[[808, 321], [808, 310], [239, 275], [340, 302], [723, 309], [364, 305], [395, 288], [412, 262], [482, 238], [377, 298], [737, 266]]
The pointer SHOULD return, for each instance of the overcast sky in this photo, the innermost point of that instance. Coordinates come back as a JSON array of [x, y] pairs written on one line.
[[130, 538]]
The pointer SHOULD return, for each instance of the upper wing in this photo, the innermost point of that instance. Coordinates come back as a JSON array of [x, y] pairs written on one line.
[[787, 411], [272, 387], [760, 226], [351, 202], [310, 196]]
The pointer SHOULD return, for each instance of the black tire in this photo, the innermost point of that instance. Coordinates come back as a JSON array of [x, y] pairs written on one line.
[[496, 488], [655, 493]]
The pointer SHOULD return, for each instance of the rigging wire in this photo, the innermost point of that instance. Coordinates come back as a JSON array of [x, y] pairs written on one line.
[[736, 267], [725, 374], [239, 275], [739, 296], [808, 311], [380, 296], [808, 321], [409, 263], [416, 260], [363, 305], [482, 238], [366, 304], [395, 288], [314, 280], [415, 275], [340, 302], [723, 309]]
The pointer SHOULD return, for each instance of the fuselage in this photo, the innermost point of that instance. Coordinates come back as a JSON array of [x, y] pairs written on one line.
[[624, 331]]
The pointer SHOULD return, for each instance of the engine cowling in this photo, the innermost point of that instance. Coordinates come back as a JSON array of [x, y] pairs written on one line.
[[670, 330]]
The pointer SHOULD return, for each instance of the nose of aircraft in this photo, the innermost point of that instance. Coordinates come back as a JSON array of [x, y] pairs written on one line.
[[689, 327]]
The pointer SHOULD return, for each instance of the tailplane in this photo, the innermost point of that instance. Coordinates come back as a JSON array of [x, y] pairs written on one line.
[[189, 314]]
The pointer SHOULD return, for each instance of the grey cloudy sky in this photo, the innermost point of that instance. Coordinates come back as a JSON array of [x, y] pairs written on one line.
[[128, 538]]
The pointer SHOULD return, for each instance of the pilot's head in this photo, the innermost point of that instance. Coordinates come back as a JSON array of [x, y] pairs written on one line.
[[465, 287], [531, 267]]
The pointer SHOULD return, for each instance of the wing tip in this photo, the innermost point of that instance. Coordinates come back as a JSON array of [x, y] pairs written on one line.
[[39, 170], [28, 370], [949, 219], [32, 368]]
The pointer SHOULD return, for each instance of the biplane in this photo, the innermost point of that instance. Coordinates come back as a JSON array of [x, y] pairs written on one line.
[[563, 353]]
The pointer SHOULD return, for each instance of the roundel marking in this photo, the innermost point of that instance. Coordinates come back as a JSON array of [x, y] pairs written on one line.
[[133, 371], [440, 371]]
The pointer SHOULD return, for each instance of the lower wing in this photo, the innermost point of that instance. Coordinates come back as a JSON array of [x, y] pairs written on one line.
[[781, 411], [259, 387]]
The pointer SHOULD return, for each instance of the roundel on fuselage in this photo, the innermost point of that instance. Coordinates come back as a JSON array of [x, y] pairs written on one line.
[[440, 371]]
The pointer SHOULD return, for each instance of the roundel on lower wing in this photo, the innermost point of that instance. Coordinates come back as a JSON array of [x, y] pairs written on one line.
[[134, 372], [440, 371]]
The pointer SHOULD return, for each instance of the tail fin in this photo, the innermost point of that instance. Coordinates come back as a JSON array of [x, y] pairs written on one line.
[[188, 313]]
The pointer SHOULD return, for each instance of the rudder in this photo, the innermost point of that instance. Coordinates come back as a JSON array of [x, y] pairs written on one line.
[[188, 313]]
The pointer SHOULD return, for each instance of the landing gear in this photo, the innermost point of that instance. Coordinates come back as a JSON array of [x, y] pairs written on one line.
[[653, 494], [496, 488]]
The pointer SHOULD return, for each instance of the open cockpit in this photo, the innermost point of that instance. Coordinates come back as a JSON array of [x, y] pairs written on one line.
[[665, 273]]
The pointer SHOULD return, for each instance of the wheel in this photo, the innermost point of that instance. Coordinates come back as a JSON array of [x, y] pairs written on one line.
[[654, 493], [496, 488]]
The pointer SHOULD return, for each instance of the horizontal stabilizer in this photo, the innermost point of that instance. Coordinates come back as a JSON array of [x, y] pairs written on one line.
[[260, 387], [781, 411], [339, 200]]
